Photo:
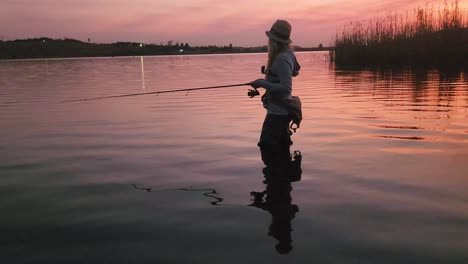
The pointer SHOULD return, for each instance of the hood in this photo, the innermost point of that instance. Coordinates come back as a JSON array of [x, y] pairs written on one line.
[[296, 66]]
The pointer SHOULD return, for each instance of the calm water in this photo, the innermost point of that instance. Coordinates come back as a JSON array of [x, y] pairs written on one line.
[[385, 162]]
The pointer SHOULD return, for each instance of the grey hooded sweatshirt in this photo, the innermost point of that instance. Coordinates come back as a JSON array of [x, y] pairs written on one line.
[[278, 83]]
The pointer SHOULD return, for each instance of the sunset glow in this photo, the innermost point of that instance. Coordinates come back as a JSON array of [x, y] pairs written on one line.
[[201, 22]]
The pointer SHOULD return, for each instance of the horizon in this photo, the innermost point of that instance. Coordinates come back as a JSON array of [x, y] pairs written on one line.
[[198, 24], [156, 44]]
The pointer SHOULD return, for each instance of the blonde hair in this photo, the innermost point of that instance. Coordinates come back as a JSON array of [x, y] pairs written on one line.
[[274, 48]]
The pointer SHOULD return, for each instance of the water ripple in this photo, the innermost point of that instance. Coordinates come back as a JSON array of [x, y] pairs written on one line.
[[384, 148]]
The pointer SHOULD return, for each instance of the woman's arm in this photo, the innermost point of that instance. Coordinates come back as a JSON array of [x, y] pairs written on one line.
[[283, 69]]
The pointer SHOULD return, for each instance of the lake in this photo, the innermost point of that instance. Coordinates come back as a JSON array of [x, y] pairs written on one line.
[[168, 178]]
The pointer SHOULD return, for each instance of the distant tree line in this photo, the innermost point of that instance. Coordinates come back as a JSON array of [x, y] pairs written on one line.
[[63, 48]]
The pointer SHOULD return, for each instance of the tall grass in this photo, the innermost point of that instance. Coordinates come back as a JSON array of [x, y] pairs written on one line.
[[425, 37]]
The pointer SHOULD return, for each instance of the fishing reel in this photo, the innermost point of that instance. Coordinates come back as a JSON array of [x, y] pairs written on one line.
[[253, 92]]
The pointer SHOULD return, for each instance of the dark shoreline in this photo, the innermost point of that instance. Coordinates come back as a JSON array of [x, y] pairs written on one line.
[[46, 48]]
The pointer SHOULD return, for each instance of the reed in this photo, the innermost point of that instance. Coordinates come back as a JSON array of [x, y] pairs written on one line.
[[425, 37]]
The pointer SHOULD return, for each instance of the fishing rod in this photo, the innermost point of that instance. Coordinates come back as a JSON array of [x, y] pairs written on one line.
[[250, 93]]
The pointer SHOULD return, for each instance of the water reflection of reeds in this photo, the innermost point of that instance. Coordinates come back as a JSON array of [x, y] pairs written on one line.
[[423, 87], [406, 102]]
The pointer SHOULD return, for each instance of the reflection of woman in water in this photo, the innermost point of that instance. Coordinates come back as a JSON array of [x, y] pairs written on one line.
[[281, 67], [278, 203], [277, 200]]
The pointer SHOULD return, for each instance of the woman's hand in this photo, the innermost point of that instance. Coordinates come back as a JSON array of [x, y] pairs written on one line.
[[257, 83]]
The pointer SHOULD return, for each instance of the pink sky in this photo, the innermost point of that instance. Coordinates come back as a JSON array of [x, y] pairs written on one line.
[[198, 22]]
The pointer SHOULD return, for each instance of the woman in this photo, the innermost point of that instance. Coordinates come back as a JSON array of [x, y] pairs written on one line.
[[281, 67]]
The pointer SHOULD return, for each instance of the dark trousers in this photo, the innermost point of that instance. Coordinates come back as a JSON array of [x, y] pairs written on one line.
[[275, 140]]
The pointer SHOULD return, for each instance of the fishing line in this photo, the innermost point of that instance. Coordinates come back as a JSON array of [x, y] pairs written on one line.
[[158, 92], [207, 192]]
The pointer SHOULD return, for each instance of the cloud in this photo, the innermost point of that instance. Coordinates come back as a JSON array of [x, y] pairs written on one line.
[[240, 22]]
